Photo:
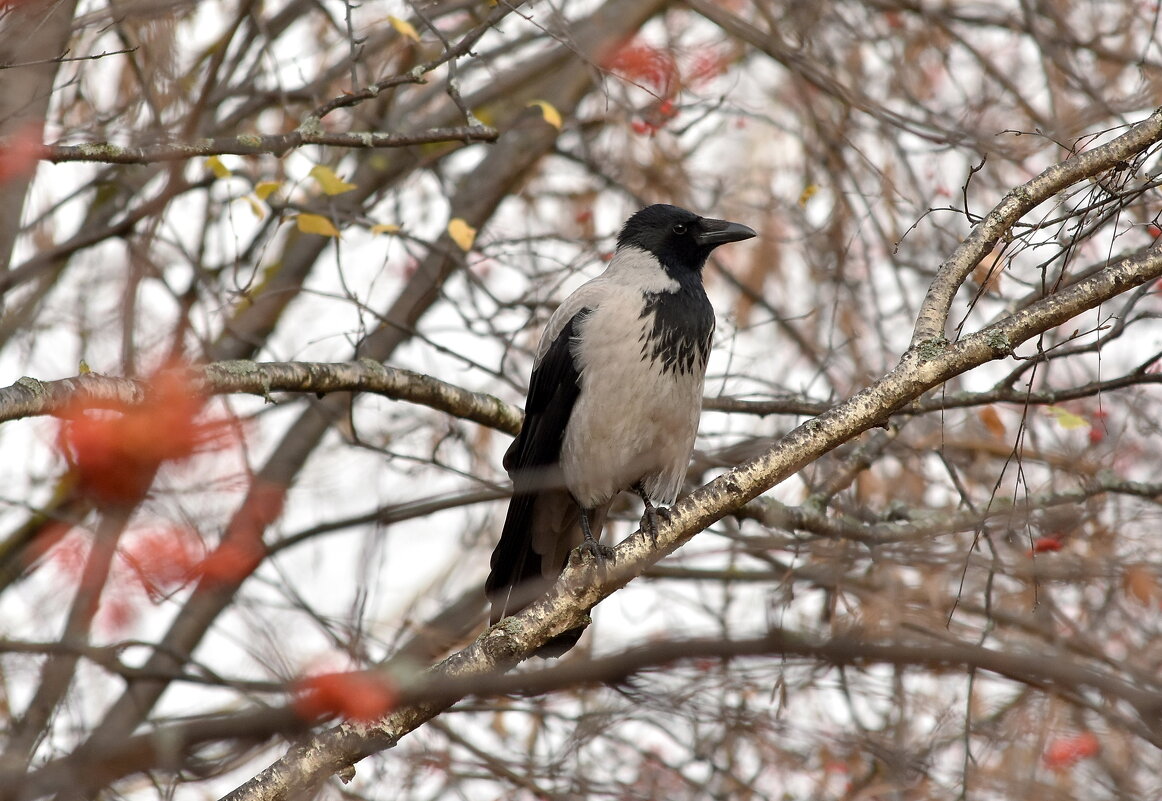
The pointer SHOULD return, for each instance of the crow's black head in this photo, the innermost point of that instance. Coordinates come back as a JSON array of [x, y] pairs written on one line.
[[680, 239]]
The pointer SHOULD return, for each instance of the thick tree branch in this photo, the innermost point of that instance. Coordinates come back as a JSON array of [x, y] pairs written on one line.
[[32, 30], [928, 522], [943, 401], [260, 144], [28, 396]]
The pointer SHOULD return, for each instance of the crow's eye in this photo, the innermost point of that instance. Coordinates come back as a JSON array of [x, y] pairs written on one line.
[[679, 228]]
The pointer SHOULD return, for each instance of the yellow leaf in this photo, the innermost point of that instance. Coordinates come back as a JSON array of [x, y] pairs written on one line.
[[385, 228], [216, 166], [807, 193], [486, 114], [329, 182], [316, 224], [256, 207], [549, 112], [462, 233], [404, 28], [1065, 418], [266, 188]]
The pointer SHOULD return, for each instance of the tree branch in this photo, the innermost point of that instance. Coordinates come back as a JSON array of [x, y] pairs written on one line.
[[29, 396], [260, 144], [933, 316], [166, 746]]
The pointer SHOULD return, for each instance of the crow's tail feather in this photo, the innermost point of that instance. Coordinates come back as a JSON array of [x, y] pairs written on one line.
[[541, 528]]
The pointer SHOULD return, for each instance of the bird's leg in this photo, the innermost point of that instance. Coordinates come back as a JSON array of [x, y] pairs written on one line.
[[591, 546], [650, 518]]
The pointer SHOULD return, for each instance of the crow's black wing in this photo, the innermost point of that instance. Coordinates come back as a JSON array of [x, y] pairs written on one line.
[[523, 564]]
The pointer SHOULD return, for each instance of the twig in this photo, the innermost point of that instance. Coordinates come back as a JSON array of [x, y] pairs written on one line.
[[65, 58]]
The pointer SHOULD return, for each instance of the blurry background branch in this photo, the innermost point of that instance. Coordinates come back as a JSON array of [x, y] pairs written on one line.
[[1051, 670]]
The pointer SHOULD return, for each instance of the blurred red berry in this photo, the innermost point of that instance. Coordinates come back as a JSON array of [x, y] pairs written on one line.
[[645, 64], [163, 559], [1065, 752], [357, 696], [114, 453], [706, 66], [1046, 544], [242, 548], [20, 152]]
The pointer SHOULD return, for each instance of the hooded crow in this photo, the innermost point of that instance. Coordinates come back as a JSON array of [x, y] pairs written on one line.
[[613, 403]]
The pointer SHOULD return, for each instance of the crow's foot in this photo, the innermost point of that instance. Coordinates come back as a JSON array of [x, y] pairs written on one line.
[[592, 549], [650, 519]]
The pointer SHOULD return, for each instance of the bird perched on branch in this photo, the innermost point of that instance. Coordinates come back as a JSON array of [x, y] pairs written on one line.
[[613, 403]]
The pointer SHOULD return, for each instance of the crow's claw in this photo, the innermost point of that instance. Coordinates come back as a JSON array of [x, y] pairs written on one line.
[[650, 519], [595, 550]]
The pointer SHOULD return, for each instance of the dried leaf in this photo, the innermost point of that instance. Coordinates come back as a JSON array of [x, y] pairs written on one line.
[[316, 224], [1140, 584], [404, 28], [549, 112], [462, 233], [643, 63], [988, 272], [265, 189], [329, 182], [216, 166], [385, 228], [992, 421], [808, 192]]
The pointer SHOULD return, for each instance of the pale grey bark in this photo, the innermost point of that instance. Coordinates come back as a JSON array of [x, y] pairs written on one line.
[[30, 396]]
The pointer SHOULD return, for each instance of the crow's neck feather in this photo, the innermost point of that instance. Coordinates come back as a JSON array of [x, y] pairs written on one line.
[[678, 338]]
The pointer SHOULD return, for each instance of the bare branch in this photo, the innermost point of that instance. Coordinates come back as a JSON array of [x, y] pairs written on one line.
[[259, 145], [29, 396], [933, 317], [165, 747], [66, 58]]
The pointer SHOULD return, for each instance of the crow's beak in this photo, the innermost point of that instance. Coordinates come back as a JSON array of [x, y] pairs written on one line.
[[719, 232]]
